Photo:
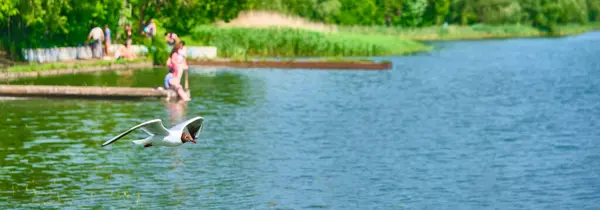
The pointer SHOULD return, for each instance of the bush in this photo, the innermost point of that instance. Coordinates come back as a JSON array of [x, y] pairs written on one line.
[[157, 50]]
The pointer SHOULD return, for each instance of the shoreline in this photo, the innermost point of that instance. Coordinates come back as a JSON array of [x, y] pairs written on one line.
[[497, 37], [11, 76], [348, 64], [473, 32], [70, 64], [345, 64], [324, 62]]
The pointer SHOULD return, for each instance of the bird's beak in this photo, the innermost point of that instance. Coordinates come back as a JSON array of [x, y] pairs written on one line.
[[194, 141]]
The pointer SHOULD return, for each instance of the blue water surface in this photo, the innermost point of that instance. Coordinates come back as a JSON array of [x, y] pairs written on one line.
[[497, 124]]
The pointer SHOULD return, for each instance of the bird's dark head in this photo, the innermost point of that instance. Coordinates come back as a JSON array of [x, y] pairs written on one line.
[[186, 137]]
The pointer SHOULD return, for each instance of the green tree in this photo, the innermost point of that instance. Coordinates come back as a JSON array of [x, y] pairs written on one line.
[[7, 10], [463, 12], [328, 10], [392, 10], [594, 10], [358, 13], [573, 11], [436, 12], [413, 12]]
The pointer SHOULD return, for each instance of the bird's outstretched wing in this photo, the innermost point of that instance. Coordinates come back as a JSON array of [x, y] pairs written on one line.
[[194, 126], [152, 127]]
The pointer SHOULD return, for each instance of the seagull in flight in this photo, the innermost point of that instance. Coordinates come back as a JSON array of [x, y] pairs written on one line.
[[161, 136]]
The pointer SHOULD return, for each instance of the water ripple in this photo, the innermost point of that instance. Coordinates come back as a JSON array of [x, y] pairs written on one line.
[[512, 128]]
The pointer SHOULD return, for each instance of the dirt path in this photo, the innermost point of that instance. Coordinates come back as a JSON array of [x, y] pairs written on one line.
[[261, 19]]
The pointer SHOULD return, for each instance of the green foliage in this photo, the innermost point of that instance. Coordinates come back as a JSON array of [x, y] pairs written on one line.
[[545, 14], [594, 10], [413, 11], [7, 9], [244, 42], [453, 32], [439, 10], [45, 23], [359, 13], [158, 50], [391, 10], [327, 10], [49, 23]]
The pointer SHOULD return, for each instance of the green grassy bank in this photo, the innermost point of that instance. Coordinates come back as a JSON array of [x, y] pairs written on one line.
[[254, 43], [67, 65], [257, 42], [479, 31], [355, 41]]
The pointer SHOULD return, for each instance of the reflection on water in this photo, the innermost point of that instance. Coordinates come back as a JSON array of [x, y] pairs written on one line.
[[176, 111], [56, 143], [125, 78], [477, 125]]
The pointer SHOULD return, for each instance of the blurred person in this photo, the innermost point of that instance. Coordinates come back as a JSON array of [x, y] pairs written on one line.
[[175, 71], [97, 36], [106, 40], [125, 52], [183, 55], [150, 29], [128, 35], [171, 38], [183, 58]]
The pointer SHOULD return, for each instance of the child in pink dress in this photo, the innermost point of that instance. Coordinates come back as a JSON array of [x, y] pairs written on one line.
[[175, 69]]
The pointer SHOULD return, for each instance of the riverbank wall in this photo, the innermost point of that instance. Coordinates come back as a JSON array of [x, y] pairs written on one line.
[[62, 54]]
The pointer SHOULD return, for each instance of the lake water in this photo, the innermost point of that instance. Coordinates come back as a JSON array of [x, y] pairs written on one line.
[[497, 124]]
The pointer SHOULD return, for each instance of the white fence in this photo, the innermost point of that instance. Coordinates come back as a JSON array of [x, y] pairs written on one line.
[[202, 52], [43, 55]]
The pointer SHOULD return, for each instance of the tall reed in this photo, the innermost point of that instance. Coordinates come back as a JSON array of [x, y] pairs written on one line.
[[287, 42]]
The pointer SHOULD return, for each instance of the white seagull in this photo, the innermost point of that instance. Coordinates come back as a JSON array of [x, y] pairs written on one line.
[[161, 136]]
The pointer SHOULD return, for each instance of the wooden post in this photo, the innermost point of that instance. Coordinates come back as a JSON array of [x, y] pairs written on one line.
[[186, 79]]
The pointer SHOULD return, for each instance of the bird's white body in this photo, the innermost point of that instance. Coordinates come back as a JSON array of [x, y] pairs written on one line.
[[160, 136], [172, 140]]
